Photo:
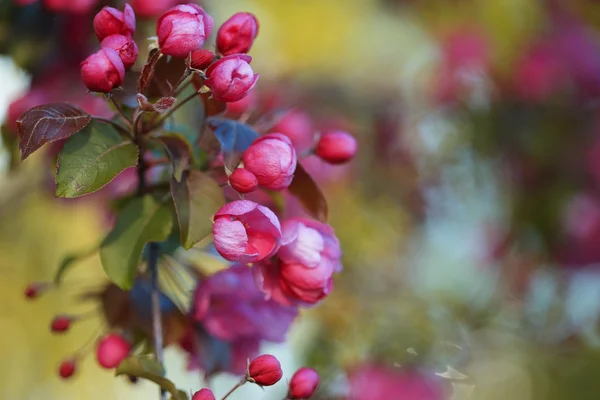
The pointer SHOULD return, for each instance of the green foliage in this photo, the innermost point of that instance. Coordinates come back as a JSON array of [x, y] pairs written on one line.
[[91, 159], [179, 150], [150, 369], [197, 198], [143, 220]]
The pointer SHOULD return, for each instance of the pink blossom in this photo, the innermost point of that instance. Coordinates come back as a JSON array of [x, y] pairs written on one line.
[[183, 29], [237, 34], [231, 78], [374, 382], [243, 181], [110, 21], [203, 394], [272, 159], [264, 370], [231, 308], [336, 147], [103, 71], [302, 273], [303, 384], [246, 232], [124, 45]]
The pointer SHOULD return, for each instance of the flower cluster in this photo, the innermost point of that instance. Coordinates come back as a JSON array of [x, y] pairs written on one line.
[[174, 191]]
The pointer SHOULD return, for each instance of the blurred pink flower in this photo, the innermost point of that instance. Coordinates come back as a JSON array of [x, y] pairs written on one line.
[[231, 308], [374, 382]]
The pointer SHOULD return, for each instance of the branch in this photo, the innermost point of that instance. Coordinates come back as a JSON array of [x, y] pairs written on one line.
[[236, 387]]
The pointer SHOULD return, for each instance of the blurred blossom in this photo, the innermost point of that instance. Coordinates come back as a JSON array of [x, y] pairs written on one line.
[[375, 382]]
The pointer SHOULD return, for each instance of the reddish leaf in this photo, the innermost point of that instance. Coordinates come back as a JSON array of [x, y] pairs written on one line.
[[164, 103], [49, 123], [179, 150], [148, 72], [212, 106], [167, 72], [306, 190]]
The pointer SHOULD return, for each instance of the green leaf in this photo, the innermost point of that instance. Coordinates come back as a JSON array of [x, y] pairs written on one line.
[[179, 150], [306, 190], [150, 369], [49, 123], [143, 220], [91, 159], [197, 198], [70, 259]]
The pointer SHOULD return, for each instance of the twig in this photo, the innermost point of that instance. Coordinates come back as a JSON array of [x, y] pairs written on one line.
[[153, 250], [118, 126], [119, 108], [236, 387]]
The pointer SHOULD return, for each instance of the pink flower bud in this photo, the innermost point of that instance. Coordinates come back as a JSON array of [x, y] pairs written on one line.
[[309, 256], [152, 8], [246, 232], [203, 394], [264, 370], [111, 350], [110, 21], [183, 29], [60, 324], [103, 71], [272, 159], [231, 78], [243, 180], [124, 45], [237, 34], [336, 147], [66, 369], [303, 384], [33, 290], [201, 59]]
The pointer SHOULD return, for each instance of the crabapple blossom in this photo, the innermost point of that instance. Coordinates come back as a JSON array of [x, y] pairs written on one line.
[[231, 78], [110, 21], [264, 370], [336, 147], [272, 159], [103, 71], [237, 34], [183, 29]]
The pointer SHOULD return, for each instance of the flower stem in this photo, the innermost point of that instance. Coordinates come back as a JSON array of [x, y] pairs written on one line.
[[236, 387], [155, 293]]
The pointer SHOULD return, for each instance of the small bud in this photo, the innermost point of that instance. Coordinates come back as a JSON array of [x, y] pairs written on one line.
[[60, 323], [66, 369], [203, 394], [303, 384], [243, 181], [103, 71], [264, 370], [33, 290], [124, 45], [231, 78], [201, 59], [336, 147], [111, 350], [183, 29], [272, 159], [110, 21], [237, 34]]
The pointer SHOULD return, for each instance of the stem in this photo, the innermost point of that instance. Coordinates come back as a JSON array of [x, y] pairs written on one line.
[[236, 387], [119, 108], [156, 317], [172, 110], [118, 126]]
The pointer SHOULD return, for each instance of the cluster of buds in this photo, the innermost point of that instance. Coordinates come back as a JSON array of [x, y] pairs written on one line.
[[265, 370]]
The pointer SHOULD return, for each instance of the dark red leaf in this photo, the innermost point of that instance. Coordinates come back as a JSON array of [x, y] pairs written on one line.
[[164, 103], [148, 72], [48, 123], [306, 190], [167, 72]]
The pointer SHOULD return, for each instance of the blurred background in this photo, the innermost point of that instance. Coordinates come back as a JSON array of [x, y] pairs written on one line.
[[470, 220]]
